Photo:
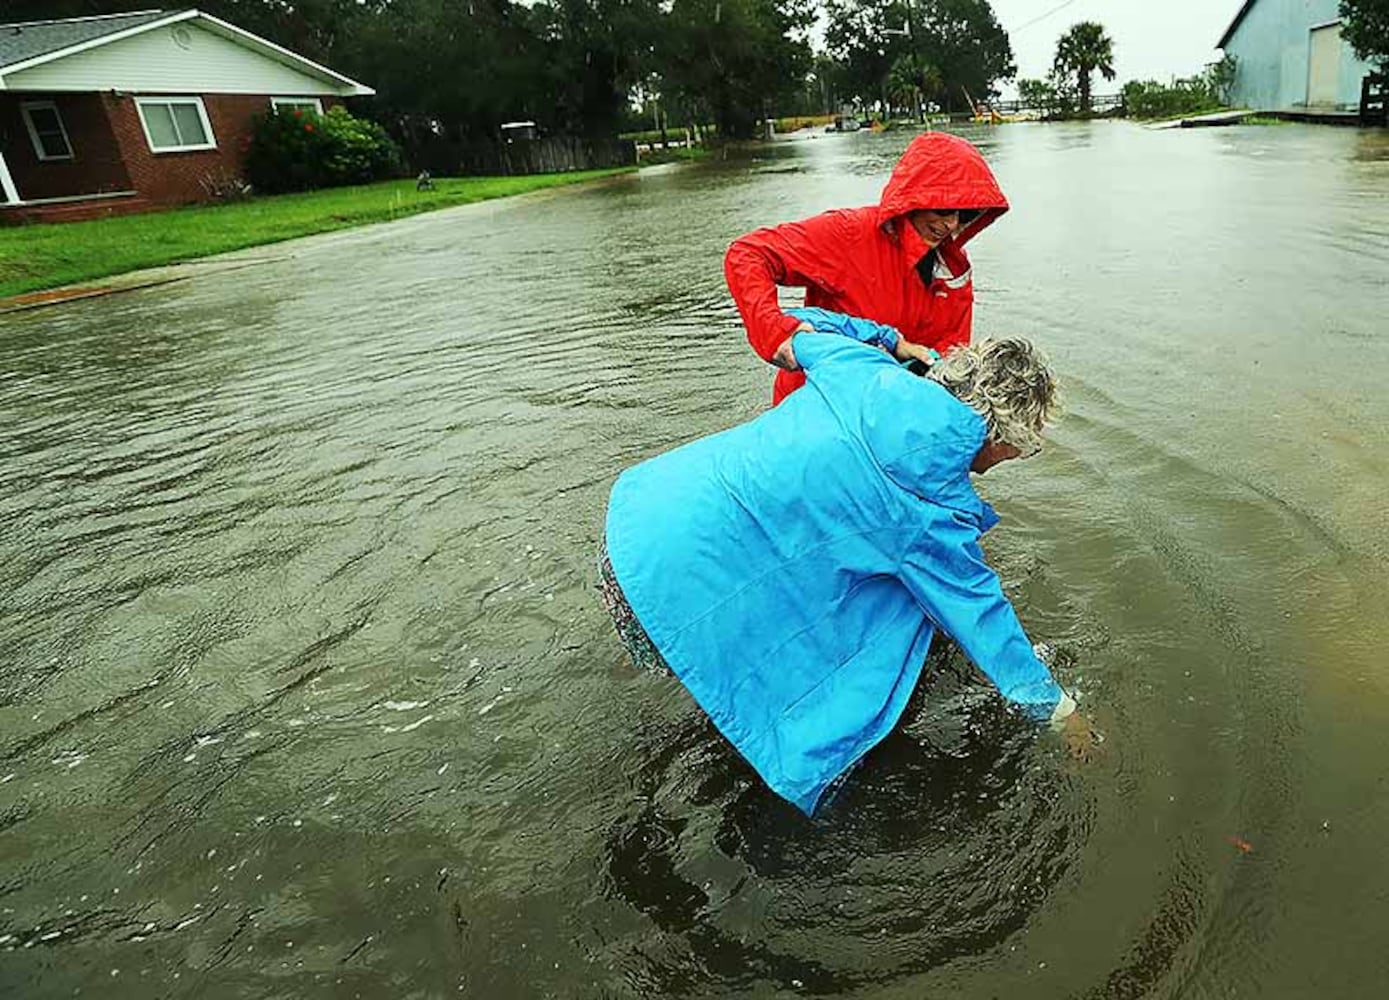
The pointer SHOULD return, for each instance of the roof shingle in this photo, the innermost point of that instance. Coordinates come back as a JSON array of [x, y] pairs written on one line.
[[22, 42]]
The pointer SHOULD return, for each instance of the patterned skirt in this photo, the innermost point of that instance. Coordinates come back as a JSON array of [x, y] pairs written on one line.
[[638, 644]]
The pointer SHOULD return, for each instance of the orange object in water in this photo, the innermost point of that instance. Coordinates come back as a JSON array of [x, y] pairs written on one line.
[[1243, 845]]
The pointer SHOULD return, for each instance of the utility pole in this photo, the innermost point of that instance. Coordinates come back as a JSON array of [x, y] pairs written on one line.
[[908, 31]]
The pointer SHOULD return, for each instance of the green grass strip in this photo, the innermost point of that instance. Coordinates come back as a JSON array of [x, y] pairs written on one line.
[[675, 154], [38, 257], [1187, 114]]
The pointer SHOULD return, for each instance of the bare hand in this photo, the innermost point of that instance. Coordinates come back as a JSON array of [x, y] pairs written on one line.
[[907, 351], [785, 356]]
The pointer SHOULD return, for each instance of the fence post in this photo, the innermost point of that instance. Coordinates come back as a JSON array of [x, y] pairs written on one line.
[[1374, 100]]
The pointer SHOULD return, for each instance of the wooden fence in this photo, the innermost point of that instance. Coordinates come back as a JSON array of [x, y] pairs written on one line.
[[1098, 103], [550, 155]]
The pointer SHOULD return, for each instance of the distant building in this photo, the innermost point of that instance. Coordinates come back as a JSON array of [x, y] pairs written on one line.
[[1290, 54]]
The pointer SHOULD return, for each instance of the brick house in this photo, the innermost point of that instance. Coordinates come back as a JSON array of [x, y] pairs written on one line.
[[129, 112]]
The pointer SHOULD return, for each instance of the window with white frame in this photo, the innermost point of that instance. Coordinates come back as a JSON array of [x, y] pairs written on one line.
[[46, 130], [175, 124], [305, 104]]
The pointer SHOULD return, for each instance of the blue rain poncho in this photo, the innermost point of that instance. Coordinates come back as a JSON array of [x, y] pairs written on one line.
[[792, 570]]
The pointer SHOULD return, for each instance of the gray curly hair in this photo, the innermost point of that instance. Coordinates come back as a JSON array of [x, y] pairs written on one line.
[[1007, 382]]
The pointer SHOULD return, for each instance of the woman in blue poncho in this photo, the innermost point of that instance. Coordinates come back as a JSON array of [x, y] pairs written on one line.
[[791, 571]]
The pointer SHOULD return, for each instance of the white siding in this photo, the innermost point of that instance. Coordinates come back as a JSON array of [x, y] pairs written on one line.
[[156, 63]]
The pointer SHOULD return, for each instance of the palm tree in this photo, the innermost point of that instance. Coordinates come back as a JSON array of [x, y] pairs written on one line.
[[913, 79], [1081, 51]]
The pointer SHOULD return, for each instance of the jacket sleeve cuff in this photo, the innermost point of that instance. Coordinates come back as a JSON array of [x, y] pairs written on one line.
[[865, 331], [773, 333], [1064, 709]]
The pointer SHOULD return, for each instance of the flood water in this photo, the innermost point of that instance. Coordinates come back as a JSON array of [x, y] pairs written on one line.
[[305, 691]]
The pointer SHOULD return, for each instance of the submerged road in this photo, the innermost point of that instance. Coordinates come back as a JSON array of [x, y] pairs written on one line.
[[305, 692]]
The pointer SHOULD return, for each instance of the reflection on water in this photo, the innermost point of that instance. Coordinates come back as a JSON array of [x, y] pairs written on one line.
[[305, 691], [1372, 145], [914, 863]]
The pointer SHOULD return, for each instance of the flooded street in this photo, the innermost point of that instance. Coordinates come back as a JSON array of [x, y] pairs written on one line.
[[305, 690]]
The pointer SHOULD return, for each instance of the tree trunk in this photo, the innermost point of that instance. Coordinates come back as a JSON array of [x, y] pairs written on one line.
[[1084, 91]]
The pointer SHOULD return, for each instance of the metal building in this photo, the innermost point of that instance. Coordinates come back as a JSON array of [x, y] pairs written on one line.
[[1290, 56]]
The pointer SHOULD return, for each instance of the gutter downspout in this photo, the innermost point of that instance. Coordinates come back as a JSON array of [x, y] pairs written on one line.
[[7, 184]]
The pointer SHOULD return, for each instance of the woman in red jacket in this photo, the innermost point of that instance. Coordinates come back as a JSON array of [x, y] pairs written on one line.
[[901, 262]]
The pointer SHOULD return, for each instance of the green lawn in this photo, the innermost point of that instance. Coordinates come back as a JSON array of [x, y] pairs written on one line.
[[38, 257]]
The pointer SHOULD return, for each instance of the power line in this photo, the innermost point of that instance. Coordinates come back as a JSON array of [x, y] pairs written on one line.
[[1003, 32], [1042, 17]]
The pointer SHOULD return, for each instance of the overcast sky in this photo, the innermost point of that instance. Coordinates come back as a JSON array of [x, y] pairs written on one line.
[[1154, 39]]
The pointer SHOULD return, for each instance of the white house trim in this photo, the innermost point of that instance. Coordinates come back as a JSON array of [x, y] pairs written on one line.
[[142, 102], [349, 87], [277, 102], [7, 184], [1323, 24], [94, 43], [25, 109], [295, 60]]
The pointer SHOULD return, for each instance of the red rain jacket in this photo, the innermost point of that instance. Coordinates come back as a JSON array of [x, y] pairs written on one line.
[[862, 261]]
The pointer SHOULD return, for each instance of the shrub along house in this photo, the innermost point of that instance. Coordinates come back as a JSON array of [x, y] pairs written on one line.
[[128, 112]]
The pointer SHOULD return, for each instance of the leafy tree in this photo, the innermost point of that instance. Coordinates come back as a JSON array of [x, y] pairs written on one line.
[[1366, 26], [1220, 79], [961, 39], [866, 37], [1052, 97], [826, 83], [1038, 95], [1084, 50], [597, 53], [15, 11], [734, 59], [454, 69], [913, 81], [964, 40]]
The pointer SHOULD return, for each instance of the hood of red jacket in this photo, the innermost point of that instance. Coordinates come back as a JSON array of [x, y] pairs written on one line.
[[940, 170]]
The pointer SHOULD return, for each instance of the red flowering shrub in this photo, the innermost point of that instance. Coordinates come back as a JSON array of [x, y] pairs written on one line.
[[294, 150]]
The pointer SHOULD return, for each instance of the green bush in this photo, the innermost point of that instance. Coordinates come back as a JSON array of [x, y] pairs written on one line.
[[297, 150], [1210, 90], [1150, 99], [1053, 97]]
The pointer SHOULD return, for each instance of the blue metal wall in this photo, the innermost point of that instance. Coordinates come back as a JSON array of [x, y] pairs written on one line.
[[1272, 45]]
